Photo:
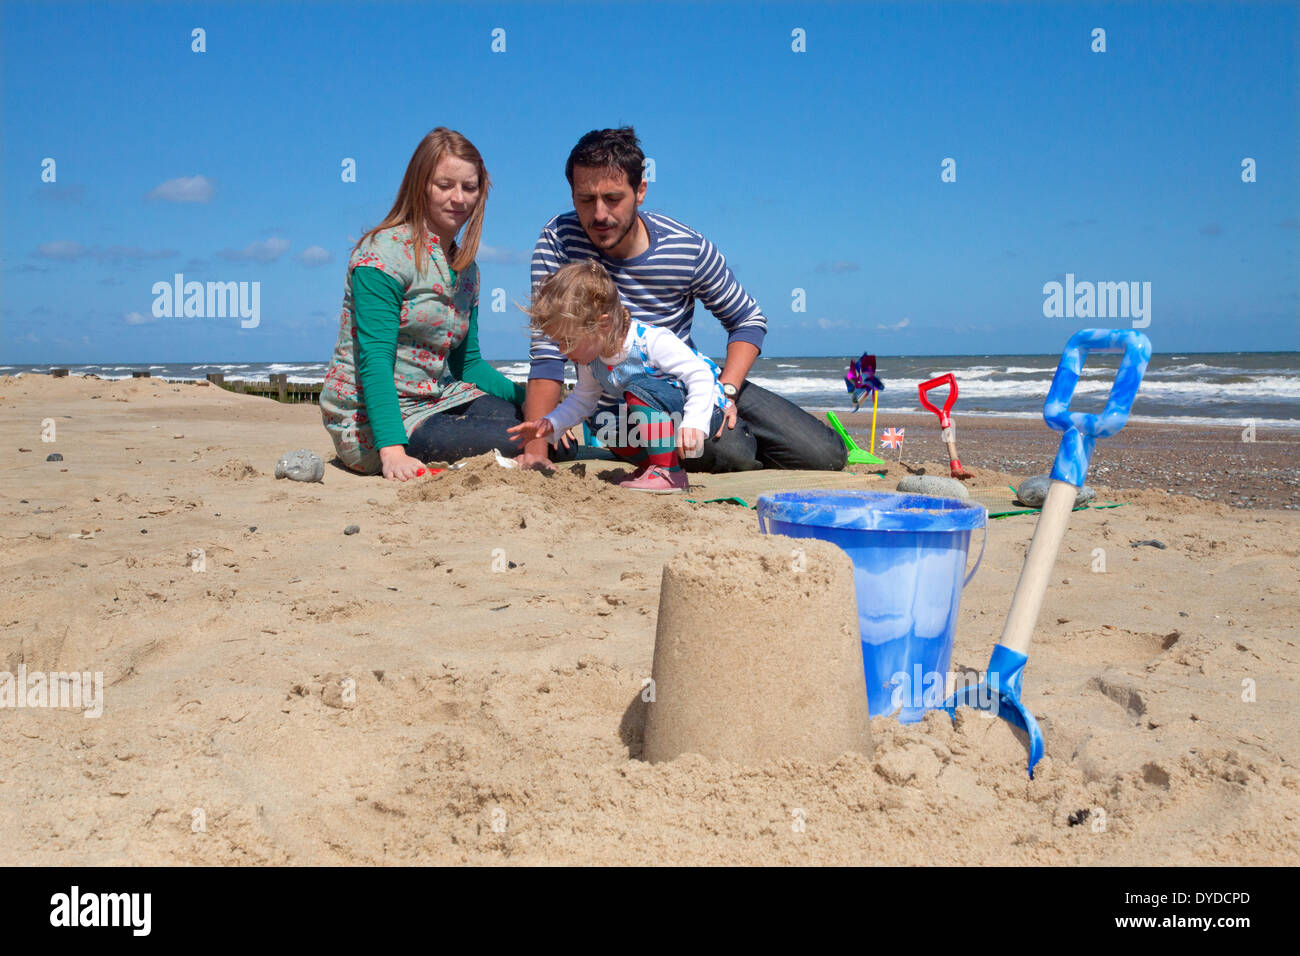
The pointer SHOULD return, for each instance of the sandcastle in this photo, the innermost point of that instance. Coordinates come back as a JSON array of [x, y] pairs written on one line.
[[758, 656]]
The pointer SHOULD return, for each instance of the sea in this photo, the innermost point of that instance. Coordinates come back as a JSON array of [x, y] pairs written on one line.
[[1211, 388]]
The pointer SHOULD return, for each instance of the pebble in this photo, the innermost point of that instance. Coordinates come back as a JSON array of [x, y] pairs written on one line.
[[1032, 492], [252, 527], [934, 485], [352, 529], [54, 457], [1149, 542], [372, 501], [300, 465]]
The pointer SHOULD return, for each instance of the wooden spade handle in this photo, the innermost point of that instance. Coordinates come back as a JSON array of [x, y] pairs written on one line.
[[1040, 560]]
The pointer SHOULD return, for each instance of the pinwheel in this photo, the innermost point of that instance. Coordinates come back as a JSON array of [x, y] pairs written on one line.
[[861, 380]]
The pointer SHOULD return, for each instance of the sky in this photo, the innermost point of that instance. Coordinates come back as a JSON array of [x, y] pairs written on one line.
[[807, 141]]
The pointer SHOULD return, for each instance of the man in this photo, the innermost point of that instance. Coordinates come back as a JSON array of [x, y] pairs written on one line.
[[661, 267]]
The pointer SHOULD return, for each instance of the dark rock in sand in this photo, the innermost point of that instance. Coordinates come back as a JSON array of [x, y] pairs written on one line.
[[54, 457], [1148, 543], [352, 529], [1032, 492], [300, 465]]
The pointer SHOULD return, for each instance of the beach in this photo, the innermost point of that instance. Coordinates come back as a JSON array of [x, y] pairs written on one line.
[[277, 691]]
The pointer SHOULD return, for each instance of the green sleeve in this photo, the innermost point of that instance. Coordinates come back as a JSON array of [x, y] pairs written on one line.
[[469, 366], [377, 307]]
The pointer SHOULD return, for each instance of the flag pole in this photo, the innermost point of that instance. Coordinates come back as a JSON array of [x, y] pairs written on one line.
[[875, 398]]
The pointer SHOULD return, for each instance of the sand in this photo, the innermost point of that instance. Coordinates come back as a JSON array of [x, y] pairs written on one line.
[[312, 697]]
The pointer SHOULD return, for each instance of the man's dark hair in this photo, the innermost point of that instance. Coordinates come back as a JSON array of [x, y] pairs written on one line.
[[609, 149]]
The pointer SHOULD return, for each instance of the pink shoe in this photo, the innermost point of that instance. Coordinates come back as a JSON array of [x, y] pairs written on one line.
[[657, 481]]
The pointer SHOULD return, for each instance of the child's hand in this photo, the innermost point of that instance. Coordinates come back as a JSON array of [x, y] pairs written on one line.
[[527, 431], [690, 442]]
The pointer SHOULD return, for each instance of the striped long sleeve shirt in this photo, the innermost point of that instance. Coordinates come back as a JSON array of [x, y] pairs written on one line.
[[659, 287]]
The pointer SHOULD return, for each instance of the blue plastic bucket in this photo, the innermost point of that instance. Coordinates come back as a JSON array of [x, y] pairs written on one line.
[[909, 561]]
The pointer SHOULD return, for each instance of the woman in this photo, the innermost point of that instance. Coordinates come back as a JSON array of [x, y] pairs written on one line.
[[406, 383]]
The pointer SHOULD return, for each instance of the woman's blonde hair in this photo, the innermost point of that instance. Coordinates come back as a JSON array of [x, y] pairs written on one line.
[[567, 306], [411, 208]]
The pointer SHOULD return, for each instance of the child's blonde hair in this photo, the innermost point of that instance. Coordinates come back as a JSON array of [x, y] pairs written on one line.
[[568, 304]]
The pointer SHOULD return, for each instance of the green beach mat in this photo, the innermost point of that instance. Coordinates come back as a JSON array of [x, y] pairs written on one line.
[[1002, 504], [744, 487]]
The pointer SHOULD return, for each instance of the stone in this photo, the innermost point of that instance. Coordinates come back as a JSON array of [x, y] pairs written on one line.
[[1032, 492], [757, 655], [352, 529], [54, 457], [300, 465], [933, 485], [1148, 543]]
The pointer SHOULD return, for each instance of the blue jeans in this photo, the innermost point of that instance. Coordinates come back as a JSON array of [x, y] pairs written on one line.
[[611, 427], [478, 427], [778, 434]]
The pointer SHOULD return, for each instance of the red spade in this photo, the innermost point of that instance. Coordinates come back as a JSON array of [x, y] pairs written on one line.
[[948, 431]]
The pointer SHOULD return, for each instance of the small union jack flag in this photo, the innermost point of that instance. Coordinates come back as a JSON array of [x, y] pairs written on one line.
[[892, 437]]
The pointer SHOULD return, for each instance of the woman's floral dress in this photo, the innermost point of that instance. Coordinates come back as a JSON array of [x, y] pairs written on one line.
[[434, 319]]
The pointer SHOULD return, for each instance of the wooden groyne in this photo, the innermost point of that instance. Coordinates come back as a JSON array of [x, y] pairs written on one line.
[[279, 388]]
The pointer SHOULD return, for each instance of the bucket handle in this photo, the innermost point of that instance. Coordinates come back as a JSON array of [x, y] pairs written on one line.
[[981, 555]]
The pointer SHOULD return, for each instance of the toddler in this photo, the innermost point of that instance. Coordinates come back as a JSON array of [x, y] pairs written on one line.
[[671, 402]]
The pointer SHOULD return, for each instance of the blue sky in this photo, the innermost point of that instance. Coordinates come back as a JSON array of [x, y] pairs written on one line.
[[816, 170]]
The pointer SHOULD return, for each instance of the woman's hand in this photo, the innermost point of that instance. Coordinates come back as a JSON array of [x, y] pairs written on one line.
[[529, 431], [398, 465], [690, 442], [728, 417]]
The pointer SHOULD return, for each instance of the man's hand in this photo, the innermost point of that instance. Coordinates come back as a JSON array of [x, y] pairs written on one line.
[[728, 417], [527, 460], [541, 397], [398, 465]]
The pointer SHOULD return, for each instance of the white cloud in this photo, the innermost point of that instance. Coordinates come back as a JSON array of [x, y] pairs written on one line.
[[315, 256], [895, 327], [505, 257], [825, 324], [136, 318], [63, 249], [263, 250], [184, 189], [69, 251]]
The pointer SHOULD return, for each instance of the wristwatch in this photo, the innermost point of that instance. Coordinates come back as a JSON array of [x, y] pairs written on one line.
[[729, 390]]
